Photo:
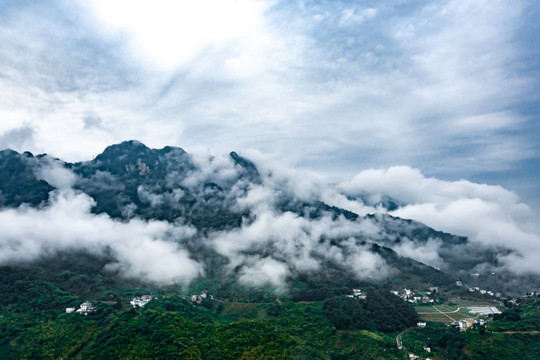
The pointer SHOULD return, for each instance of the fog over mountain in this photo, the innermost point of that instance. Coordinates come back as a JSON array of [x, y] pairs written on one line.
[[167, 216]]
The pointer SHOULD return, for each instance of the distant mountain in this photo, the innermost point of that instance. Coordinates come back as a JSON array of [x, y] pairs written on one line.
[[222, 196]]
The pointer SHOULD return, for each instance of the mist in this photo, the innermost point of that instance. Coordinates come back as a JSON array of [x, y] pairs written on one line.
[[274, 242]]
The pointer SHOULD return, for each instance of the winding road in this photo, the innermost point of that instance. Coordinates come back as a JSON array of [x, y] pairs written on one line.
[[400, 343], [398, 338]]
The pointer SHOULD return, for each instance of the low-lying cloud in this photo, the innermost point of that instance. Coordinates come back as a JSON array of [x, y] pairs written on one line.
[[488, 215], [273, 243], [147, 250]]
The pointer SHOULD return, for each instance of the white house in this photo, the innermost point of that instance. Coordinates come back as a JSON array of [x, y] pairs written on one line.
[[86, 306], [199, 298], [141, 301]]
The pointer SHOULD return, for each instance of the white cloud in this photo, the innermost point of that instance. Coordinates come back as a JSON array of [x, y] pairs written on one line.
[[368, 265], [264, 271], [257, 74], [351, 16], [145, 250], [408, 185], [173, 33], [53, 172], [488, 215]]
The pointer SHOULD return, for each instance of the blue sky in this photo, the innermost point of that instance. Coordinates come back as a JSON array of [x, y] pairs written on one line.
[[446, 87]]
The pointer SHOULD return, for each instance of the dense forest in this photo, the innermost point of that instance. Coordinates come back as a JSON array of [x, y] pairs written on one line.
[[34, 325], [387, 313], [170, 327]]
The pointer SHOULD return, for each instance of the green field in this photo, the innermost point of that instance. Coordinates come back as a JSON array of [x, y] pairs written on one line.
[[456, 310], [237, 311]]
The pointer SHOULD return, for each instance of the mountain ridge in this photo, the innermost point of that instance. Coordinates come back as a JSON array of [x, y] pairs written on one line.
[[227, 201]]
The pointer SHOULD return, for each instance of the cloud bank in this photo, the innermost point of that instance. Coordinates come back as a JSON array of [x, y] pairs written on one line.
[[279, 237], [488, 215], [144, 250]]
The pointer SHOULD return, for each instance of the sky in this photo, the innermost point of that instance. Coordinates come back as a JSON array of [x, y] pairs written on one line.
[[446, 89]]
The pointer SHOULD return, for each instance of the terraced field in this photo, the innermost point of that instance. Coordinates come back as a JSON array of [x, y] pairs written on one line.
[[457, 310]]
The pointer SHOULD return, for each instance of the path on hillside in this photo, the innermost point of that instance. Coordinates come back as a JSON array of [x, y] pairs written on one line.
[[445, 314], [448, 312], [445, 353], [398, 337]]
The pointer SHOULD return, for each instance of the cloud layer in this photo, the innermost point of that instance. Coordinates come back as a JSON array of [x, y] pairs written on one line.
[[278, 238], [145, 250], [490, 216]]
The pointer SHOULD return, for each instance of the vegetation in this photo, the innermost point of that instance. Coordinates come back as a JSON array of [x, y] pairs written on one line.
[[514, 334], [172, 328], [313, 319], [387, 313]]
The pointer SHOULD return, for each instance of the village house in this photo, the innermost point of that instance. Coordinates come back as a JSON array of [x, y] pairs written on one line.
[[357, 293], [141, 301], [465, 324], [199, 298], [85, 308]]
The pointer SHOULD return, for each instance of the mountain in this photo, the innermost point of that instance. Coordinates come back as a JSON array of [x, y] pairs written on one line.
[[244, 227], [276, 259]]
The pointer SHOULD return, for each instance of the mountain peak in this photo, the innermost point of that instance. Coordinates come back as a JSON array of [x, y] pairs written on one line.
[[122, 150], [247, 165], [128, 145]]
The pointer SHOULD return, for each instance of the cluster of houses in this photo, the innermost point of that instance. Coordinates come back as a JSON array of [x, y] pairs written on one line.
[[140, 301], [485, 292], [466, 324], [406, 294], [412, 356], [85, 308], [424, 297], [478, 289], [199, 298], [358, 294]]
